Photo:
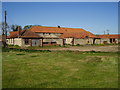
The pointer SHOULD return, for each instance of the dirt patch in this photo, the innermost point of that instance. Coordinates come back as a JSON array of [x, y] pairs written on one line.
[[112, 48], [93, 59]]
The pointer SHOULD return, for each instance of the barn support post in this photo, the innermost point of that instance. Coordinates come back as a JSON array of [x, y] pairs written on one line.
[[63, 42], [30, 42], [73, 41], [41, 42]]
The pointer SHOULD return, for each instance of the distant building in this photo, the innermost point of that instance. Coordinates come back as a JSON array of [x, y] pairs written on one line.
[[108, 39], [42, 36]]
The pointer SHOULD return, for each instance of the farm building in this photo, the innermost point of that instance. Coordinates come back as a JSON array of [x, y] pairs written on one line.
[[108, 39], [42, 36]]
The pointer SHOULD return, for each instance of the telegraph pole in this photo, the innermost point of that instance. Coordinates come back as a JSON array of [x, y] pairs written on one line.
[[104, 32], [5, 24], [108, 32], [5, 31]]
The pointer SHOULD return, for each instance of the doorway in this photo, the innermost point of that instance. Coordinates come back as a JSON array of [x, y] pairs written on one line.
[[35, 42]]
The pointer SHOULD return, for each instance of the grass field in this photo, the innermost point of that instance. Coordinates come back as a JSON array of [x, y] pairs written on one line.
[[63, 69]]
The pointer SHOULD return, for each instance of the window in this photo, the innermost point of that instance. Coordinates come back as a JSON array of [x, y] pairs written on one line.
[[26, 41], [110, 40], [114, 40], [53, 42], [86, 36], [45, 42]]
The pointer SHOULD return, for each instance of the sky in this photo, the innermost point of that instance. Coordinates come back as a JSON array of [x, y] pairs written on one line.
[[95, 17], [60, 0]]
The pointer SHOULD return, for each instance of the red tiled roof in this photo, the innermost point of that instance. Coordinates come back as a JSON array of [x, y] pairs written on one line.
[[29, 34], [24, 34], [54, 29], [109, 36], [77, 35], [67, 32], [15, 34]]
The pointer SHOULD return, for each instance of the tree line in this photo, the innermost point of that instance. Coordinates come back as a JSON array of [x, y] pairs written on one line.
[[14, 27]]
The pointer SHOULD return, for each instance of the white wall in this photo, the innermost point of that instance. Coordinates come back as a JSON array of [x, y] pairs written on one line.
[[18, 41], [68, 41], [58, 41], [10, 41], [98, 41], [15, 41], [49, 34], [83, 41], [118, 40], [105, 39], [101, 41]]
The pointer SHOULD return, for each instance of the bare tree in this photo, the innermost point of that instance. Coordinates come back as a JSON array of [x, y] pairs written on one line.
[[3, 29]]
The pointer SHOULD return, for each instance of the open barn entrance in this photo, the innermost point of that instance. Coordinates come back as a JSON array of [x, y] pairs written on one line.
[[35, 42]]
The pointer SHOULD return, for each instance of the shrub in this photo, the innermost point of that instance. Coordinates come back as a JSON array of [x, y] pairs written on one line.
[[78, 45]]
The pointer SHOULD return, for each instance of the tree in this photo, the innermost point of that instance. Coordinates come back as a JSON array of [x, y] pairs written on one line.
[[2, 24], [15, 27], [4, 33], [29, 26]]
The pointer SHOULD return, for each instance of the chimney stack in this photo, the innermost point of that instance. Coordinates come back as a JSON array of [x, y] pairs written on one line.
[[19, 31], [58, 26]]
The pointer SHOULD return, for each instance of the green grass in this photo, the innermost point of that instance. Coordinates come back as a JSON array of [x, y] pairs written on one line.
[[13, 46], [63, 69], [104, 44]]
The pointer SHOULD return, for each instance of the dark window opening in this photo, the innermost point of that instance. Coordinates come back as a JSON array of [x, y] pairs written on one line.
[[110, 40], [114, 40], [45, 42], [53, 42], [26, 41], [86, 36], [49, 43], [88, 42]]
